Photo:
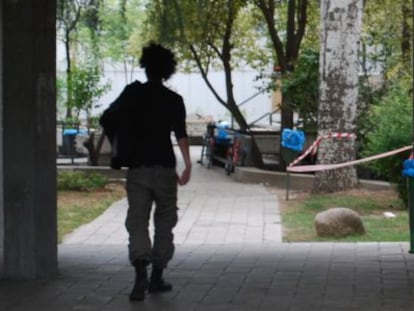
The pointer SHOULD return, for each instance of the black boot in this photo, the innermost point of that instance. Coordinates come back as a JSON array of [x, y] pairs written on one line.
[[141, 281], [157, 283]]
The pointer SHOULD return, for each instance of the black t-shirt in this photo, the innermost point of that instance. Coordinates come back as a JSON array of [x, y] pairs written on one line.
[[144, 116]]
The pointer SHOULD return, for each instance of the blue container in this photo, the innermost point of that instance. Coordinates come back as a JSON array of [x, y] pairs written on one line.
[[293, 139]]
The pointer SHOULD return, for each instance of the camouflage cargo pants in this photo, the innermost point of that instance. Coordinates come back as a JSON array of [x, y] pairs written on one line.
[[146, 186]]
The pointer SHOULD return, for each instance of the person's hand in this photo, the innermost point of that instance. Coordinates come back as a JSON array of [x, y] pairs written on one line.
[[185, 176]]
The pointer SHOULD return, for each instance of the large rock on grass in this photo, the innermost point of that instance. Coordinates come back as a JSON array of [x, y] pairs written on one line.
[[338, 222]]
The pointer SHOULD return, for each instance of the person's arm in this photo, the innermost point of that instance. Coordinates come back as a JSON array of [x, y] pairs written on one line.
[[185, 152], [179, 127]]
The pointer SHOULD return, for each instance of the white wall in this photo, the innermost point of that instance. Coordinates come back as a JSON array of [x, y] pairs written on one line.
[[197, 97]]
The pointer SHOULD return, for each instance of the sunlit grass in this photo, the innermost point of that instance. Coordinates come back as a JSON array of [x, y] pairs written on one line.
[[76, 208], [298, 215]]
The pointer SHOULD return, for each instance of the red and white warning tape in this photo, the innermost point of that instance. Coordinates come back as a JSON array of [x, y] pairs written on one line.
[[323, 167], [314, 147]]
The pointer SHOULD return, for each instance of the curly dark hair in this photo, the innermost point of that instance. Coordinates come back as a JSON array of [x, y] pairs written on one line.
[[158, 60]]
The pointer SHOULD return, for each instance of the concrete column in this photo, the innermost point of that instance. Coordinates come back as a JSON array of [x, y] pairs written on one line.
[[28, 147], [1, 144]]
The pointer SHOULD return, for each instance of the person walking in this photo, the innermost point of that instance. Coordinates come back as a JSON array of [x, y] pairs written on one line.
[[139, 124]]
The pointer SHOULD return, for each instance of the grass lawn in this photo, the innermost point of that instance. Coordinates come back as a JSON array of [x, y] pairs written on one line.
[[76, 208], [299, 212]]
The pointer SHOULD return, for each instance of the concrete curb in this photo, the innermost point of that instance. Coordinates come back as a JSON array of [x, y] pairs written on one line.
[[297, 181], [245, 175]]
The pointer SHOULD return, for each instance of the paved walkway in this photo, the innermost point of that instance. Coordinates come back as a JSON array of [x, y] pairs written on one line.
[[213, 209], [229, 257]]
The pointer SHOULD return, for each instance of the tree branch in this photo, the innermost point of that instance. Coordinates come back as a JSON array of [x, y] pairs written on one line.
[[302, 22], [290, 29], [204, 75], [268, 11]]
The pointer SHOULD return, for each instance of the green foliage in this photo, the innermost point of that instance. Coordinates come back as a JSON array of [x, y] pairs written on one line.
[[79, 29], [384, 43], [390, 124], [61, 93], [121, 21], [385, 109], [86, 86], [207, 35], [302, 87], [80, 181], [202, 29], [383, 21]]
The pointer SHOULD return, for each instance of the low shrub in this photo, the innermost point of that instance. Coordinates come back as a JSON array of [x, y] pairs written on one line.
[[80, 181], [390, 121]]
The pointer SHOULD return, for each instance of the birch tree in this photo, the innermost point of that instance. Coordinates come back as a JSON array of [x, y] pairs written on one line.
[[340, 31]]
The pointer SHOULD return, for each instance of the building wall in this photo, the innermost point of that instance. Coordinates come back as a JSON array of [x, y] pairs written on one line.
[[198, 99]]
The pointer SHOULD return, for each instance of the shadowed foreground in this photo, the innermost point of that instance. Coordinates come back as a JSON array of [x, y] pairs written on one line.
[[229, 256]]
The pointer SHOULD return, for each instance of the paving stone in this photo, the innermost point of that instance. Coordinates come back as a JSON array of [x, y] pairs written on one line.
[[229, 256]]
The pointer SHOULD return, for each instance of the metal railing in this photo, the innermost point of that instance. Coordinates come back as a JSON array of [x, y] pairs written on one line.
[[267, 114]]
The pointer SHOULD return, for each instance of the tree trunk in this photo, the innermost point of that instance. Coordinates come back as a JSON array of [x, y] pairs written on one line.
[[286, 118], [286, 114], [256, 155], [68, 77], [340, 33], [406, 33], [94, 151]]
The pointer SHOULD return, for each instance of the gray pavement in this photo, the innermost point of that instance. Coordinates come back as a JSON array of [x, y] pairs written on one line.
[[229, 256]]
